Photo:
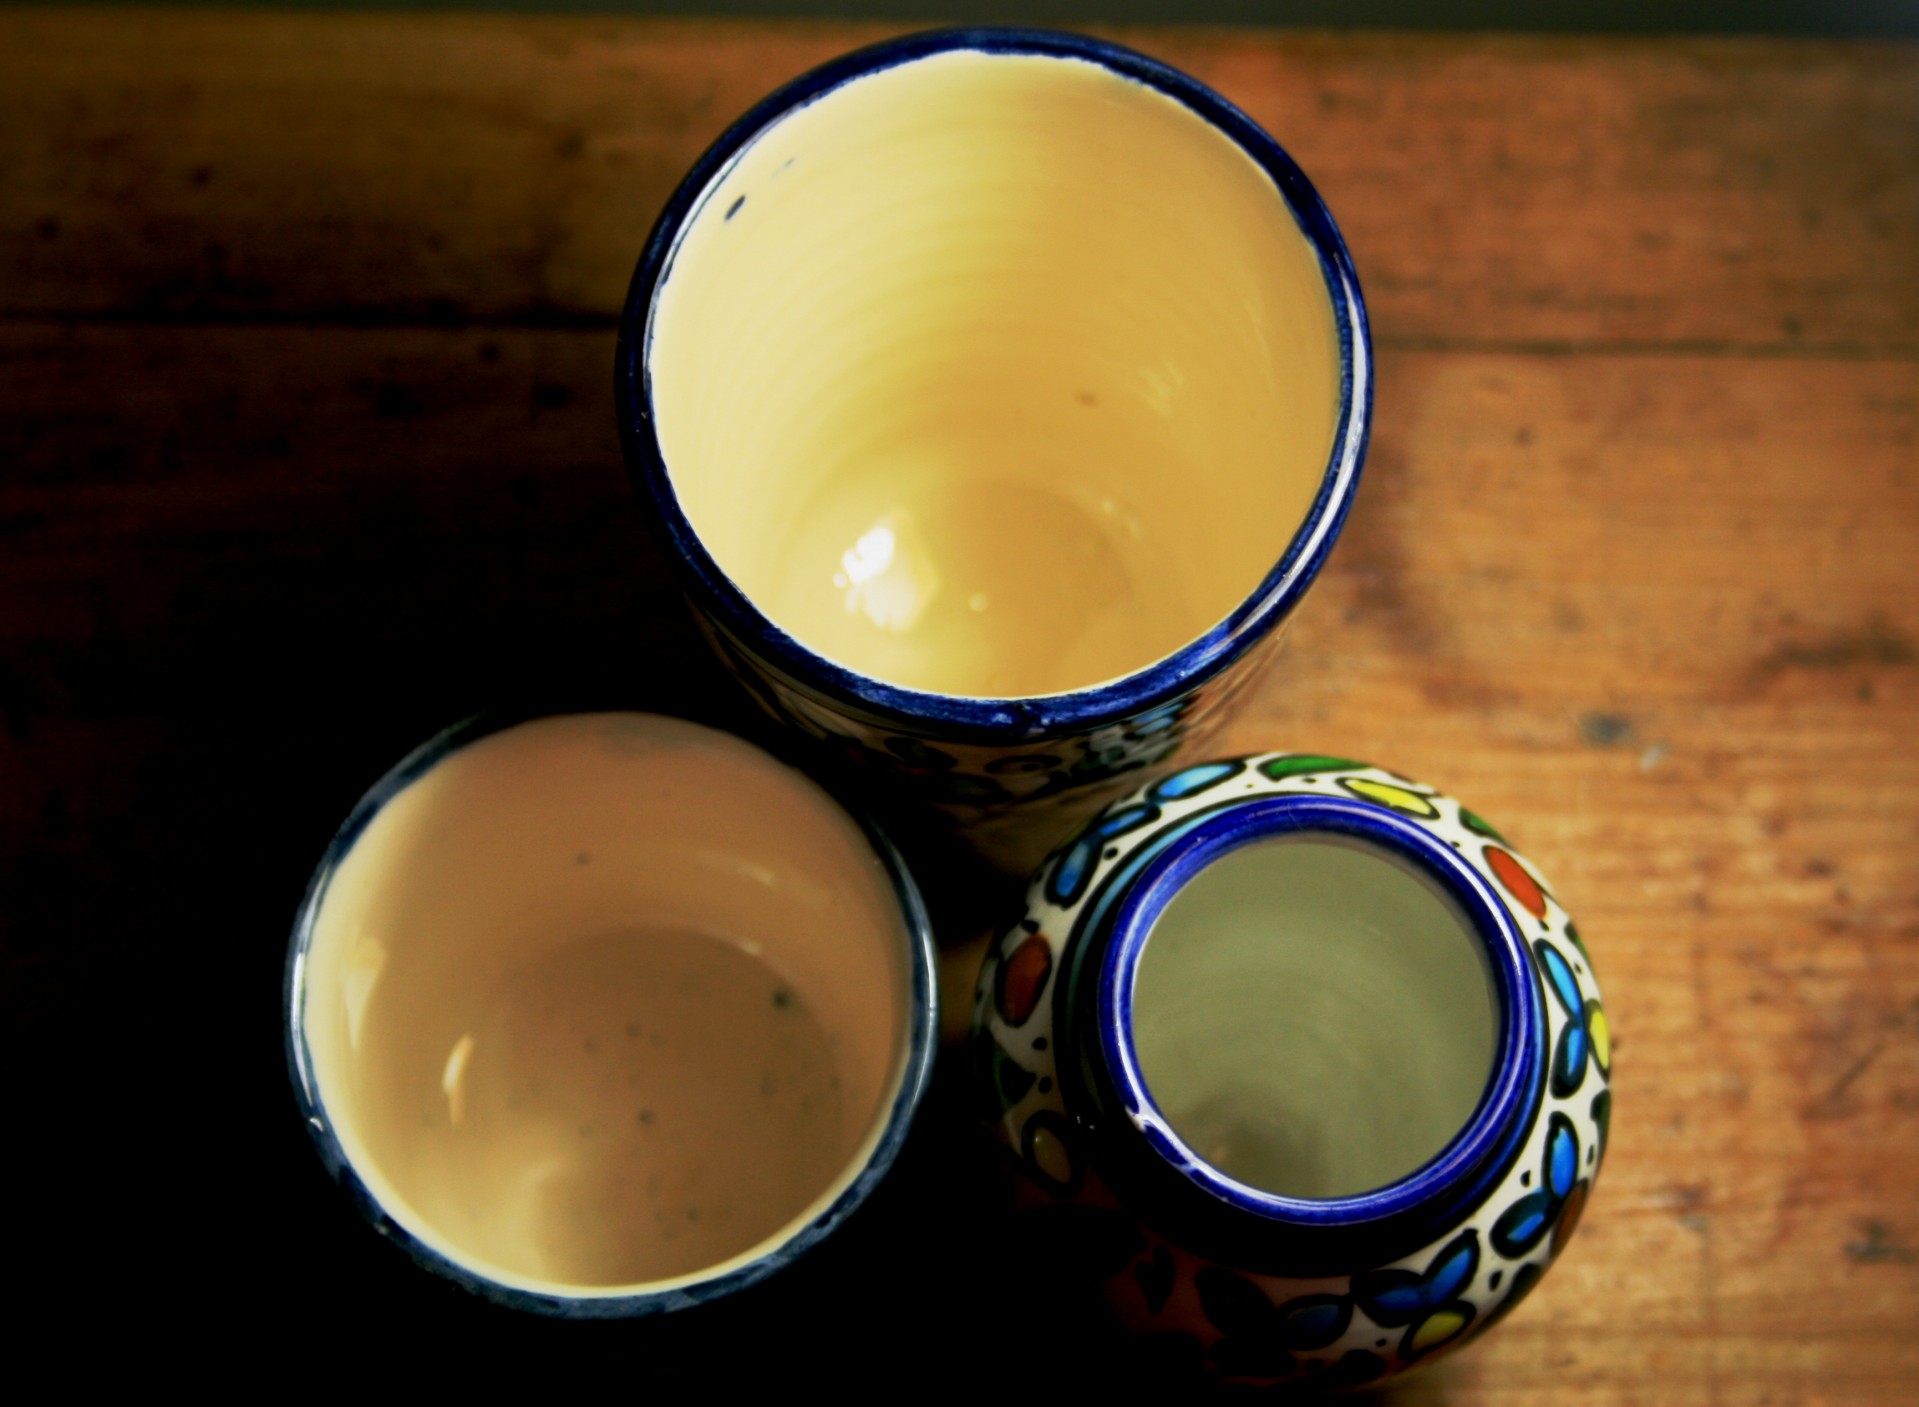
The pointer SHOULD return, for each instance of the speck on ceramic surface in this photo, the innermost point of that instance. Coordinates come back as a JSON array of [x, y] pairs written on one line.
[[1267, 1288]]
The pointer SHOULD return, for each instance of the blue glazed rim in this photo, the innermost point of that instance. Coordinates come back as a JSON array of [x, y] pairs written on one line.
[[1261, 1230], [922, 1027], [1001, 721]]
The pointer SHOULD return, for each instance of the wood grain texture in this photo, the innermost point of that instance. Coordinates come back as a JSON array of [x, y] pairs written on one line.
[[270, 516], [446, 167]]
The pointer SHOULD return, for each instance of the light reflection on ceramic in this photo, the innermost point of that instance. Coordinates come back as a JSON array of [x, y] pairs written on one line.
[[996, 395], [1243, 1282], [607, 1015]]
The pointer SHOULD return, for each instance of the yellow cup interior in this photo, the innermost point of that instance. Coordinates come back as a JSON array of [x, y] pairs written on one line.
[[994, 375]]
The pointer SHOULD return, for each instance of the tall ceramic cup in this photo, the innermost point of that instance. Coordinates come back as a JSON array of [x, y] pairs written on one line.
[[997, 395]]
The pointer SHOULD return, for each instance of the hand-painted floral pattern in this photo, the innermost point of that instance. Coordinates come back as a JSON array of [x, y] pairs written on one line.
[[1012, 802], [1336, 1330]]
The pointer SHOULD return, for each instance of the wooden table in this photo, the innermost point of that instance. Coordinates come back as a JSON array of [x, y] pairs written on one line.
[[306, 332]]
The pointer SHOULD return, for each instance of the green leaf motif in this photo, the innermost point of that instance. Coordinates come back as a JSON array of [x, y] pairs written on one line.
[[1306, 764]]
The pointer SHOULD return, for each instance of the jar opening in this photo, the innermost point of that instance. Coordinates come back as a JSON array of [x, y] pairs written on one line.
[[1314, 1015], [1314, 1010]]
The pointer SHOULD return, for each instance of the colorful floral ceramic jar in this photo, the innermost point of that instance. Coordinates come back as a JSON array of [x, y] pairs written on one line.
[[1317, 1053]]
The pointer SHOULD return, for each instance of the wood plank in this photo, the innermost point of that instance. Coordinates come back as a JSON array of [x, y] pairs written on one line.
[[1650, 613], [1656, 613], [194, 164]]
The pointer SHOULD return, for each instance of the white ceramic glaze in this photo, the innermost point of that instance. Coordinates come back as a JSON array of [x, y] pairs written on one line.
[[599, 1007]]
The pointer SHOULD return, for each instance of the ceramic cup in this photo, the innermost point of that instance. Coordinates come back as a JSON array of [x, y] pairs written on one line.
[[607, 1014], [996, 395], [1308, 1057]]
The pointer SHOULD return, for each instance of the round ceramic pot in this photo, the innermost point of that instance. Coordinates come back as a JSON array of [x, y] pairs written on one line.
[[1309, 1054], [607, 1015], [996, 395]]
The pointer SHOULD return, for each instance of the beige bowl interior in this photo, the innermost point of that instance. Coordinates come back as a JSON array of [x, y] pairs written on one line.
[[606, 1002], [994, 375]]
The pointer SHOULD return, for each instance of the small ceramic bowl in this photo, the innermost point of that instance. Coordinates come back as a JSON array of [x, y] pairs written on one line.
[[1310, 1054], [607, 1014], [996, 395]]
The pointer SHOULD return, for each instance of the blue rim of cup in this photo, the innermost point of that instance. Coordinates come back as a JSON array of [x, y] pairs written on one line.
[[998, 721], [1295, 1235], [922, 1039]]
